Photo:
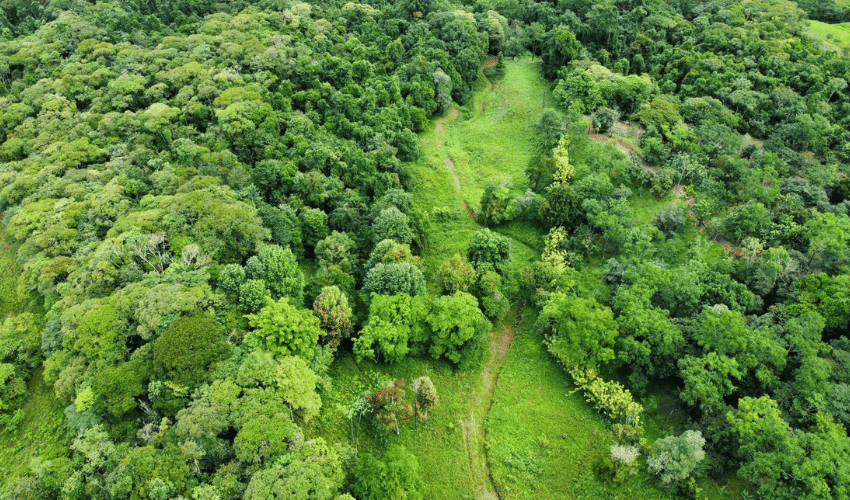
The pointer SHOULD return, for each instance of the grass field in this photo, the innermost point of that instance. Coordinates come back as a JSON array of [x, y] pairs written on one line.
[[543, 441], [834, 37], [42, 432], [489, 142]]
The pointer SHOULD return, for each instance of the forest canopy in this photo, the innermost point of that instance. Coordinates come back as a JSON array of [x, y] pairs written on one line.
[[214, 204]]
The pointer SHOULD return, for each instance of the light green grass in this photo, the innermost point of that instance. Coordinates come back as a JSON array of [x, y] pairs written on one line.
[[493, 146], [496, 145], [42, 432], [10, 302], [41, 435], [543, 441], [834, 37], [437, 444]]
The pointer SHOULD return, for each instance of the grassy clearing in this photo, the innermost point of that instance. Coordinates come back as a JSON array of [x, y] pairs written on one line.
[[543, 441], [834, 37], [41, 434], [438, 444], [496, 144], [490, 146], [10, 302]]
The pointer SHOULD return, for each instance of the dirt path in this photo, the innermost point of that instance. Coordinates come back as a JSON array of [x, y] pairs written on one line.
[[439, 128], [482, 400]]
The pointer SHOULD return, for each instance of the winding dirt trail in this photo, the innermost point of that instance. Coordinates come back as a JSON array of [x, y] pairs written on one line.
[[439, 128], [482, 394]]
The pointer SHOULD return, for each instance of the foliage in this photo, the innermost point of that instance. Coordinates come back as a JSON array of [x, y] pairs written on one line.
[[458, 329], [395, 477], [487, 247], [670, 220], [394, 322], [579, 332], [283, 329], [184, 353], [277, 268], [456, 275], [334, 313], [394, 278], [425, 397], [675, 458]]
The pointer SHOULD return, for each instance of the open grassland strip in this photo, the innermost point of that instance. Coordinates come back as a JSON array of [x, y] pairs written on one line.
[[41, 435], [834, 37], [496, 145], [10, 302], [490, 151], [42, 432]]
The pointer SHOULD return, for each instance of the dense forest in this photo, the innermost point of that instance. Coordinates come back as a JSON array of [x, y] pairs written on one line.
[[223, 261]]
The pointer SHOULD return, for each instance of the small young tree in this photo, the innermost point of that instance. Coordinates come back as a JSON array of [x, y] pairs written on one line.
[[391, 279], [388, 406], [425, 397], [456, 274], [487, 247], [676, 458], [495, 205], [334, 313], [603, 118], [670, 220], [283, 329]]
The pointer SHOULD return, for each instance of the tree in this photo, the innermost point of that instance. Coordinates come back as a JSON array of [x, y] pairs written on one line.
[[394, 278], [286, 378], [396, 477], [184, 353], [675, 458], [148, 472], [263, 439], [314, 226], [394, 321], [550, 128], [278, 269], [487, 247], [579, 332], [425, 397], [456, 274], [561, 48], [603, 119], [283, 329], [337, 249], [670, 220], [311, 471], [392, 224], [495, 205], [118, 387], [829, 236], [458, 329], [768, 450], [334, 313], [708, 380]]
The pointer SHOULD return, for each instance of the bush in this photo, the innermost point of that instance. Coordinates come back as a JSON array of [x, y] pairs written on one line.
[[670, 220], [394, 278], [603, 119], [487, 247], [675, 458]]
